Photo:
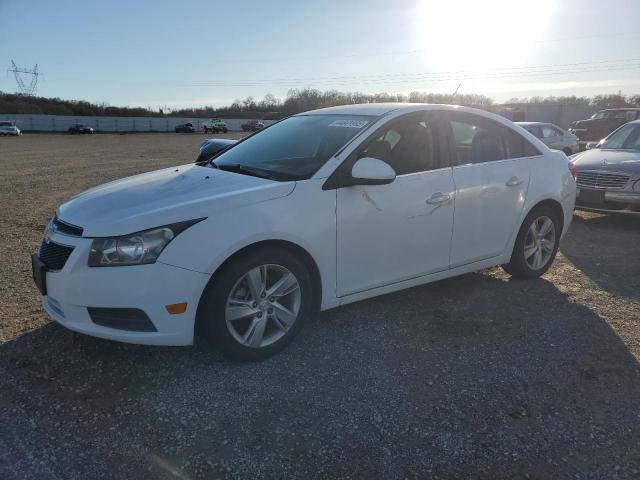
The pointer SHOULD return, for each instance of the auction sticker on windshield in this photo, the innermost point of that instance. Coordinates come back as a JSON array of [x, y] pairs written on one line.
[[349, 123]]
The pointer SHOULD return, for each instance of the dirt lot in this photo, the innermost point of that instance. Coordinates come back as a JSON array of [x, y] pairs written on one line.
[[473, 377]]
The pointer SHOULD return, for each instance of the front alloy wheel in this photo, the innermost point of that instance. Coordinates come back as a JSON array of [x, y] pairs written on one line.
[[263, 305], [256, 303]]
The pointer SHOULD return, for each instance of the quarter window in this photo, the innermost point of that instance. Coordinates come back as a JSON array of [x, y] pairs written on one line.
[[535, 129], [548, 131]]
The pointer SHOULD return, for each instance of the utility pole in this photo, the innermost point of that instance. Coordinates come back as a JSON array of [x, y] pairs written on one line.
[[24, 88], [456, 91]]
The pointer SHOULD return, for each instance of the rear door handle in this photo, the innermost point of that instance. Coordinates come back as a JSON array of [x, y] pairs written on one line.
[[514, 182], [439, 198]]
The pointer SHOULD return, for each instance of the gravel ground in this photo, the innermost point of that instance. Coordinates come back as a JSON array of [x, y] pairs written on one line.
[[473, 377]]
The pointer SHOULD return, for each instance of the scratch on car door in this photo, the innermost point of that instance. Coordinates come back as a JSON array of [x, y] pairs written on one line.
[[366, 196]]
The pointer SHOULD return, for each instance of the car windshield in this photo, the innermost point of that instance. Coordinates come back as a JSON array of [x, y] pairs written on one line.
[[626, 137], [295, 148], [599, 115]]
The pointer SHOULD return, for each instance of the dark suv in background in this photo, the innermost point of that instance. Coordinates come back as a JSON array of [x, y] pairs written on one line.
[[79, 128], [602, 123], [185, 128], [252, 126]]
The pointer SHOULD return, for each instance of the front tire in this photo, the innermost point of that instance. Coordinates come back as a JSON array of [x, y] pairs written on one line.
[[536, 245], [256, 304]]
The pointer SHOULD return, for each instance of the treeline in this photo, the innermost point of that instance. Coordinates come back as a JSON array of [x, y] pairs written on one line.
[[271, 107], [597, 101], [16, 103]]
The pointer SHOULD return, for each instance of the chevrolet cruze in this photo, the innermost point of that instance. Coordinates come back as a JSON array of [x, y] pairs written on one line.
[[318, 210]]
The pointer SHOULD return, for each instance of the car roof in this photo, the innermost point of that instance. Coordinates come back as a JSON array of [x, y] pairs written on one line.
[[382, 109]]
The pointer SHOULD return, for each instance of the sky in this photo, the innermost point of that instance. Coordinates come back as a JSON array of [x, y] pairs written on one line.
[[196, 53]]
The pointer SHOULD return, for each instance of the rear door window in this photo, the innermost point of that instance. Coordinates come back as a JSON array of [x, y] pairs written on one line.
[[475, 139]]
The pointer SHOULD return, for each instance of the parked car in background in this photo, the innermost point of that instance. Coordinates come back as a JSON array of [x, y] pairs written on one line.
[[215, 126], [185, 128], [609, 174], [9, 128], [211, 147], [602, 123], [252, 126], [80, 128], [322, 209], [553, 136]]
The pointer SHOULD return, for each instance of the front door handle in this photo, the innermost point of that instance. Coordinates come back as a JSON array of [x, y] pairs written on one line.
[[514, 182], [439, 198]]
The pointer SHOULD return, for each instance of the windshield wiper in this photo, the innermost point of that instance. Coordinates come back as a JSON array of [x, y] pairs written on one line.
[[242, 169]]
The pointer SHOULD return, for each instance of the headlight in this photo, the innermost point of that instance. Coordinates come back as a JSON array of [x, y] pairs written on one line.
[[636, 186], [136, 249]]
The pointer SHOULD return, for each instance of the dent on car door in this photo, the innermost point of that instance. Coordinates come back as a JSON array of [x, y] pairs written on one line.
[[491, 176], [402, 230]]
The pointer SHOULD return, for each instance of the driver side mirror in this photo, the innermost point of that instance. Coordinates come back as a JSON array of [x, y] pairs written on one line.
[[371, 171]]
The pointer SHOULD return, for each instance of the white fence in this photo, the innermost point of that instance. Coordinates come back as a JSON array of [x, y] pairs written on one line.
[[561, 115], [61, 123]]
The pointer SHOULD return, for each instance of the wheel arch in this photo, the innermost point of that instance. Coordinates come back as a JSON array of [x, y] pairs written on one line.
[[287, 245], [551, 203]]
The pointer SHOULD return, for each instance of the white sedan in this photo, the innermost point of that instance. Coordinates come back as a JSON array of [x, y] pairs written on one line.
[[321, 209]]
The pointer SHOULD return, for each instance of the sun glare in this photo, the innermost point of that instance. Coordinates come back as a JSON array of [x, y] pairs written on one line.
[[480, 34]]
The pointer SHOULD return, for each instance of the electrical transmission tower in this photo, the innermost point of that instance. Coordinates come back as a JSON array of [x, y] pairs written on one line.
[[25, 89]]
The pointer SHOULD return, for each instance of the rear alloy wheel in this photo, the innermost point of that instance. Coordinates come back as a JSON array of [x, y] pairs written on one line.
[[540, 243], [254, 306], [536, 245]]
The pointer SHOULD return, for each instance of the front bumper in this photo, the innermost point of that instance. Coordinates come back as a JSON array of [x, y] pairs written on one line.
[[77, 287], [623, 202]]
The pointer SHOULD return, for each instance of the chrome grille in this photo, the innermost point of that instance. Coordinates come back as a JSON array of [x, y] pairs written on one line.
[[66, 228], [602, 180]]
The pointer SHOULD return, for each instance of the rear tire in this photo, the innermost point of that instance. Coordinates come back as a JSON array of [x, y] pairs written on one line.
[[536, 245], [243, 313]]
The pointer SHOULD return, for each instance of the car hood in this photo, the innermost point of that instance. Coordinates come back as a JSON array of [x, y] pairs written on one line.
[[217, 141], [164, 197], [627, 161]]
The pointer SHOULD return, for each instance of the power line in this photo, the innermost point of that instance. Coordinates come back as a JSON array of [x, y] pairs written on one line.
[[419, 50], [511, 72]]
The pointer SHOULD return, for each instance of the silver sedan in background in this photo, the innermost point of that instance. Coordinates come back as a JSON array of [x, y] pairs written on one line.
[[553, 136], [609, 174]]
